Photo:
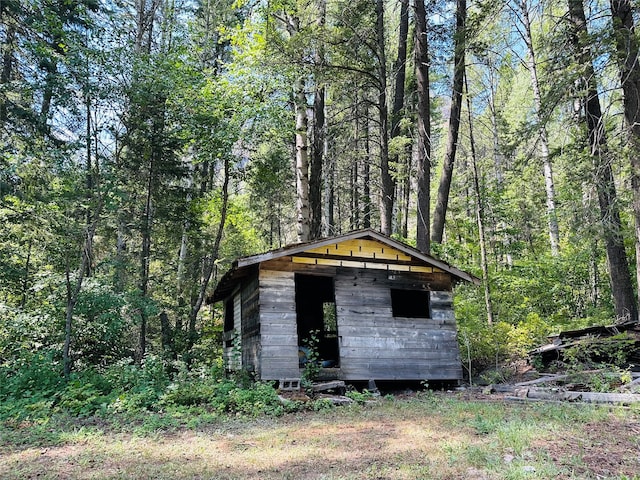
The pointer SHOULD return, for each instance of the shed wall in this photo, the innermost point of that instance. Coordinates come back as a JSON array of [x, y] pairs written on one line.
[[278, 329], [250, 326], [377, 345]]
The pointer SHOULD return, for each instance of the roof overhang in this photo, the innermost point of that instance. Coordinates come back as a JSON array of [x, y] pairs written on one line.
[[244, 266]]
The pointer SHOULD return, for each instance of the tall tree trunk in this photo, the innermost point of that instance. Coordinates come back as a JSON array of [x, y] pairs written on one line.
[[211, 259], [424, 129], [627, 48], [552, 219], [330, 197], [398, 96], [400, 69], [355, 186], [479, 214], [407, 194], [317, 158], [622, 290], [302, 160], [493, 90], [388, 186], [145, 258], [317, 152], [73, 291], [366, 176], [442, 201], [7, 67]]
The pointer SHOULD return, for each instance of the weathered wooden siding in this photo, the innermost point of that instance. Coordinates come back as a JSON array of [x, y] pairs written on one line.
[[374, 344], [250, 325], [278, 328]]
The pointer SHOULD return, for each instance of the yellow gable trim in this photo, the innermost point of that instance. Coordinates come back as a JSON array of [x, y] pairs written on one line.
[[361, 248]]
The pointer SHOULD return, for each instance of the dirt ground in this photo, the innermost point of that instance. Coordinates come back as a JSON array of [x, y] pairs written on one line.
[[601, 450], [473, 436]]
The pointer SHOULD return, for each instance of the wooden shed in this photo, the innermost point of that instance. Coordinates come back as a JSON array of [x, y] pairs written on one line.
[[379, 308]]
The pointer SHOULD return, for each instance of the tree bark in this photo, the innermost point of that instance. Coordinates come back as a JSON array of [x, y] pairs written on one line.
[[552, 219], [622, 290], [627, 48], [302, 160], [398, 102], [7, 67], [400, 69], [442, 201], [315, 170], [479, 216], [210, 260], [388, 184], [145, 258], [424, 129], [317, 152], [73, 292], [366, 177]]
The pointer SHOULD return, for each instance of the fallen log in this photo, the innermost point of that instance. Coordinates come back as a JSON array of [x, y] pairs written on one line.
[[631, 385], [544, 379], [568, 396]]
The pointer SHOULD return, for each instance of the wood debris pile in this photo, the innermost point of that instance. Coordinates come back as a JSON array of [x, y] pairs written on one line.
[[560, 343], [610, 357], [562, 388]]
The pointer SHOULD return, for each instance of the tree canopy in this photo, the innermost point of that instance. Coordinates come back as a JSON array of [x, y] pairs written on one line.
[[146, 144]]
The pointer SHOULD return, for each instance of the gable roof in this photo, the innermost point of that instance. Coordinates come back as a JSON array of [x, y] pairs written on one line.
[[305, 250]]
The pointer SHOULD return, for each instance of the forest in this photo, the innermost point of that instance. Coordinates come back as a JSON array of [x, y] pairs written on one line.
[[146, 144]]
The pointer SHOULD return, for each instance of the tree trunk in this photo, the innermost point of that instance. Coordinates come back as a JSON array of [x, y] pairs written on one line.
[[302, 160], [552, 220], [210, 260], [7, 68], [628, 49], [424, 129], [622, 290], [444, 188], [407, 194], [366, 176], [400, 69], [479, 216], [317, 152], [317, 158], [73, 292], [388, 184], [398, 101], [145, 258]]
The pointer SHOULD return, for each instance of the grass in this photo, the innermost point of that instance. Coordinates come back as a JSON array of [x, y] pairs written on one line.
[[429, 436]]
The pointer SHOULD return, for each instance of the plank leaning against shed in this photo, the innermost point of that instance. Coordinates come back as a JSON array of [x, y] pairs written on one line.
[[379, 308]]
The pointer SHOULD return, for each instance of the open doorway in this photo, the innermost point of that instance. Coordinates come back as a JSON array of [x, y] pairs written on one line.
[[316, 312]]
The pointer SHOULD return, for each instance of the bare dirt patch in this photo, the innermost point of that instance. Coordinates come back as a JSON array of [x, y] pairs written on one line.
[[606, 449], [442, 437]]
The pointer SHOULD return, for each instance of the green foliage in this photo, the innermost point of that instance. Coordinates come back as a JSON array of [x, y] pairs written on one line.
[[37, 390], [86, 394], [359, 397], [312, 365], [29, 386]]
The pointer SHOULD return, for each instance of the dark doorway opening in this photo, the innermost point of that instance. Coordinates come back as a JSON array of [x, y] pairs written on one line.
[[316, 313]]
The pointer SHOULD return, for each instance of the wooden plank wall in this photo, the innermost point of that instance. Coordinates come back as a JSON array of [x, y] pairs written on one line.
[[250, 325], [376, 345], [278, 330]]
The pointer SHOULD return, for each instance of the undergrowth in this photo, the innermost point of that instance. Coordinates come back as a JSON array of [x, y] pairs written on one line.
[[32, 394]]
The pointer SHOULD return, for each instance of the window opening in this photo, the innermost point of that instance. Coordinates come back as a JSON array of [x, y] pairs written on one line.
[[410, 303]]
